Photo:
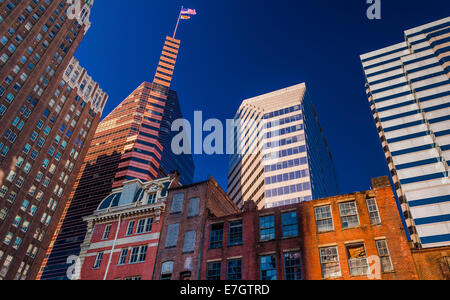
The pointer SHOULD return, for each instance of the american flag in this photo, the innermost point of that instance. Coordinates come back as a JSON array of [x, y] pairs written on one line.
[[188, 11]]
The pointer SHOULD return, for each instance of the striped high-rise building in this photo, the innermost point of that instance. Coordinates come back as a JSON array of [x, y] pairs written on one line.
[[281, 155], [408, 86], [49, 110], [132, 142]]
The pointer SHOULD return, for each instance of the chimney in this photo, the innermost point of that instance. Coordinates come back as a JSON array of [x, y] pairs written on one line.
[[381, 182]]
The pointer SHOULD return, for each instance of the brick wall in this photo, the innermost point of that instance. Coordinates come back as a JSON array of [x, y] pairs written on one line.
[[309, 241], [213, 201], [432, 264]]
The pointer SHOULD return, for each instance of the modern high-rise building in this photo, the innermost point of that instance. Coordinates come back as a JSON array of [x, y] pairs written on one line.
[[408, 87], [47, 119], [132, 142], [280, 156]]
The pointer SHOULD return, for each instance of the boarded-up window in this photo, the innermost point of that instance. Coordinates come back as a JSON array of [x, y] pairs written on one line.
[[172, 235], [177, 203], [193, 207], [189, 242], [167, 267]]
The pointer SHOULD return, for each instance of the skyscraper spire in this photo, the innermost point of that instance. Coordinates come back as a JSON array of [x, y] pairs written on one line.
[[132, 142]]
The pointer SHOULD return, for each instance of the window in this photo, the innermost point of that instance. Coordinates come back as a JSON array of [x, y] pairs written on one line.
[[349, 215], [141, 226], [6, 265], [17, 221], [293, 266], [385, 256], [172, 235], [189, 242], [17, 243], [216, 236], [107, 232], [267, 228], [149, 225], [177, 203], [290, 224], [8, 238], [357, 260], [268, 265], [152, 198], [234, 269], [135, 278], [235, 233], [373, 212], [329, 260], [324, 219], [213, 270], [98, 260], [123, 256], [3, 213], [138, 254], [194, 204], [167, 270], [11, 176], [25, 226], [130, 227], [3, 191]]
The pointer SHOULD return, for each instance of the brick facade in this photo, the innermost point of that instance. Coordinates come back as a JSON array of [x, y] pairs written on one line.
[[43, 120], [433, 263], [181, 259], [361, 239], [134, 244]]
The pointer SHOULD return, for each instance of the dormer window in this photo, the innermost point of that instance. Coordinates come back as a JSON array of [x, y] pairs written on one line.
[[152, 198]]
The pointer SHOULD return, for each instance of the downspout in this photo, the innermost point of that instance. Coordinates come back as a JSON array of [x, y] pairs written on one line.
[[202, 240], [113, 248]]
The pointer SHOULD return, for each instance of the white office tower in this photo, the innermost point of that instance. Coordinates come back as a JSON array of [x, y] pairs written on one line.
[[281, 156], [408, 87]]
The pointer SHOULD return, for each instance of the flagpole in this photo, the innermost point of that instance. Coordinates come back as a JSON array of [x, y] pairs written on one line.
[[178, 22]]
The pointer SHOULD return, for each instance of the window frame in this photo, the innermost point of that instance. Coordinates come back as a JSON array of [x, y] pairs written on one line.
[[289, 225], [263, 229], [217, 243], [285, 267], [375, 204], [231, 235], [261, 265], [347, 216], [331, 218], [229, 275], [338, 262]]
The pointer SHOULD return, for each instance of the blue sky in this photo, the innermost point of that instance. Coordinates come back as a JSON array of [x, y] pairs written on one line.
[[235, 49]]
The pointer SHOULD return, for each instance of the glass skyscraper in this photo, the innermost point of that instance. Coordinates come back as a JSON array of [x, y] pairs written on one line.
[[280, 155], [132, 142], [408, 88]]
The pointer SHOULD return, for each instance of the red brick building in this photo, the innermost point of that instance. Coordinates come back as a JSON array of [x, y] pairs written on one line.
[[49, 110], [182, 236], [432, 263], [123, 233], [331, 238]]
